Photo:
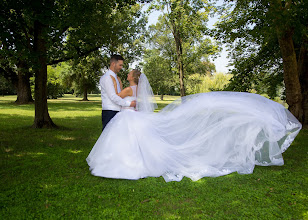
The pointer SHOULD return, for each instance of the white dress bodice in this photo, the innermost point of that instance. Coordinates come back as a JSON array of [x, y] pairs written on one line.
[[130, 98]]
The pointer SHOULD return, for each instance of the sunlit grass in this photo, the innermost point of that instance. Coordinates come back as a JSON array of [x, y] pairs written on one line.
[[44, 175]]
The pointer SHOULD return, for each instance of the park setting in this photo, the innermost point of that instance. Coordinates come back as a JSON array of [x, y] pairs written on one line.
[[44, 175], [52, 57]]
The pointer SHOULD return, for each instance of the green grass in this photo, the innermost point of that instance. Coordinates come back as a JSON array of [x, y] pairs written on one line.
[[44, 175]]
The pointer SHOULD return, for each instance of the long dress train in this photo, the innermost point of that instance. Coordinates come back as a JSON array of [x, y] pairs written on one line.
[[208, 134]]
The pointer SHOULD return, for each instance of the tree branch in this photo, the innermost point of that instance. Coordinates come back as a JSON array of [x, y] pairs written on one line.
[[60, 33], [81, 54]]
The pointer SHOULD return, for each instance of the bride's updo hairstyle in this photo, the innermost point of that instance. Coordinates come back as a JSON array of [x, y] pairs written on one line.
[[136, 75]]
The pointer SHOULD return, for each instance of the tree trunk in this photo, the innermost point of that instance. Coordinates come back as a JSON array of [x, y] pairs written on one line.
[[179, 50], [291, 77], [179, 54], [162, 96], [23, 88], [181, 76], [42, 118], [303, 76], [85, 94]]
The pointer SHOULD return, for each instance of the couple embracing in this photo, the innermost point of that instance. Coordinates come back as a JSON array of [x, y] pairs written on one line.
[[111, 87], [201, 135]]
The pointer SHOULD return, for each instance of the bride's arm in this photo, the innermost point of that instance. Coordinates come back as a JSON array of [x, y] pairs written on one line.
[[125, 92]]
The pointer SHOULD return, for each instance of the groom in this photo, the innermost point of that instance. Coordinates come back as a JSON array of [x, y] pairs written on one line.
[[111, 102]]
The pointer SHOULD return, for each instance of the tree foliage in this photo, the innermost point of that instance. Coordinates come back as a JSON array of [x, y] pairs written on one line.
[[160, 73], [268, 38], [6, 88], [84, 74], [185, 23], [48, 32], [197, 83], [56, 86]]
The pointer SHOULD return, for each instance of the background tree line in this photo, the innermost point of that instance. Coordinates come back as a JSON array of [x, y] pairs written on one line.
[[267, 41]]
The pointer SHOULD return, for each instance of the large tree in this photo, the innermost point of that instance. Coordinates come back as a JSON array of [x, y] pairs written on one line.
[[271, 37], [160, 72], [49, 31], [16, 71], [186, 21], [84, 74]]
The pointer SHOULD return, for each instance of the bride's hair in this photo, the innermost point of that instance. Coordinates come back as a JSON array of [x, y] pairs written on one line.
[[136, 75]]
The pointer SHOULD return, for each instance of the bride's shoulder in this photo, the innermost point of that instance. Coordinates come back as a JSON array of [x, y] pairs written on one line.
[[126, 92], [127, 89]]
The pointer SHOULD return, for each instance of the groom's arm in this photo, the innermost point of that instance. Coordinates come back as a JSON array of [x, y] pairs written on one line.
[[108, 85]]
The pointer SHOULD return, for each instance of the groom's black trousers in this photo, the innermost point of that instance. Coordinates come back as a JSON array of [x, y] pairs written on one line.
[[107, 115]]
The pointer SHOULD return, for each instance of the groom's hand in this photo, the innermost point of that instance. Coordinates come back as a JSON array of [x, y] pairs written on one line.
[[133, 104]]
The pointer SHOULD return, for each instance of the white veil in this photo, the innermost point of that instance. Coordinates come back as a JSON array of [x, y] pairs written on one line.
[[145, 97]]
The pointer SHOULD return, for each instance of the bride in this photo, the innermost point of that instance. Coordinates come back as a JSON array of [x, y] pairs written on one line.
[[209, 134]]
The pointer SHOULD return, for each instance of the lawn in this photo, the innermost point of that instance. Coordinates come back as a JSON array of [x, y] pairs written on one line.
[[44, 175]]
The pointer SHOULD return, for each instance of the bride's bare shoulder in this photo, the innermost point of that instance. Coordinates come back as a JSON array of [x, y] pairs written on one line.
[[126, 92]]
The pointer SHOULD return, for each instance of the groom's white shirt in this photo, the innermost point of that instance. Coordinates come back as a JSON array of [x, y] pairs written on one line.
[[110, 100]]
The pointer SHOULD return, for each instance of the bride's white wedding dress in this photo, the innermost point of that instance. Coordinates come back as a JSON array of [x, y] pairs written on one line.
[[209, 134]]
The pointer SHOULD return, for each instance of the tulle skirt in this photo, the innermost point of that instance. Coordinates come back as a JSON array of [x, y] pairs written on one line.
[[209, 134]]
